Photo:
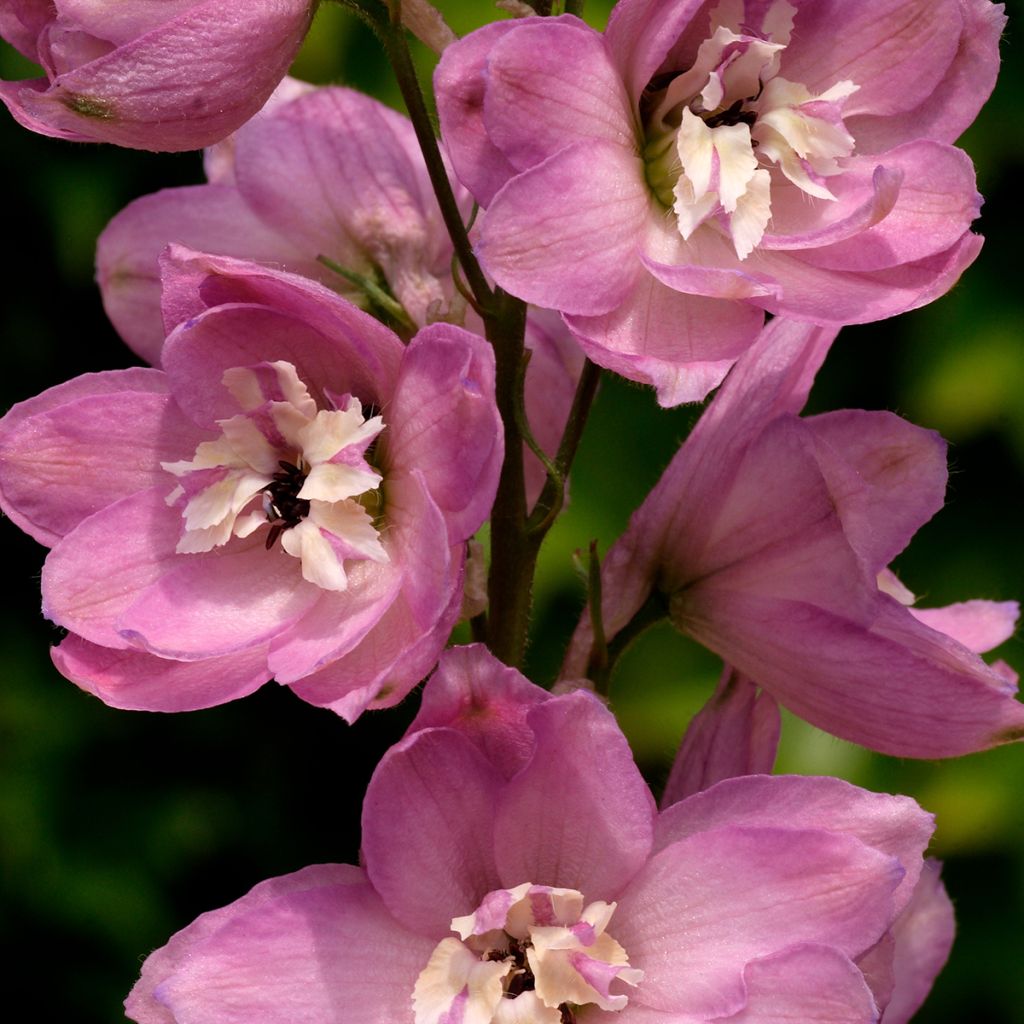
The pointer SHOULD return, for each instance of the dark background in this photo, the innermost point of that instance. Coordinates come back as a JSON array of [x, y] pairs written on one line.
[[118, 828]]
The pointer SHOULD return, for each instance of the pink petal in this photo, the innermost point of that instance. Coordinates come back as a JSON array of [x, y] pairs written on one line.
[[805, 983], [719, 899], [21, 21], [682, 345], [955, 101], [81, 446], [556, 231], [428, 821], [937, 202], [459, 84], [315, 945], [897, 51], [95, 573], [886, 476], [488, 702], [199, 351], [204, 606], [735, 733], [906, 694], [826, 296], [978, 625], [137, 681], [579, 815], [924, 936], [895, 825], [444, 421], [551, 84], [183, 85], [210, 217], [360, 348], [641, 32]]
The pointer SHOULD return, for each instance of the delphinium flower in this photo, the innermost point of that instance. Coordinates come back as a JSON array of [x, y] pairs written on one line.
[[324, 173], [173, 75], [768, 539], [290, 496], [514, 869], [666, 182]]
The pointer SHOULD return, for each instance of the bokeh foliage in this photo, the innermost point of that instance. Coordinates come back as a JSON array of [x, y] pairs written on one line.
[[116, 828]]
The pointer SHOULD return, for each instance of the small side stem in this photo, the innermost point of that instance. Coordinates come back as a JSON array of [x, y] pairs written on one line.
[[552, 497], [602, 662]]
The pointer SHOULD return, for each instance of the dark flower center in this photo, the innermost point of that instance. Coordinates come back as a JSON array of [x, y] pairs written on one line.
[[282, 504]]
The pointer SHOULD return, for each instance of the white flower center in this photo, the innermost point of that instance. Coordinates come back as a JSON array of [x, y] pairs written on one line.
[[285, 465], [716, 131], [528, 955]]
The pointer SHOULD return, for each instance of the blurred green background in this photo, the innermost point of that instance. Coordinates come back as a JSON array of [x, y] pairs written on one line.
[[117, 829]]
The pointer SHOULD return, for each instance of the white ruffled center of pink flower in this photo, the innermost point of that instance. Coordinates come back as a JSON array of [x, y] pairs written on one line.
[[715, 130], [528, 955], [284, 465]]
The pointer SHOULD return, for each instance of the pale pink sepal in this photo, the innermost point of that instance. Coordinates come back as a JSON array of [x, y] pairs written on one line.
[[735, 733]]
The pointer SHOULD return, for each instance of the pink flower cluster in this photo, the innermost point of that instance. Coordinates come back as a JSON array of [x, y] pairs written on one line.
[[333, 409], [515, 869]]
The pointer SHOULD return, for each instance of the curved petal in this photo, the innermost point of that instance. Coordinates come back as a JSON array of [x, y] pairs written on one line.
[[956, 100], [194, 282], [428, 830], [21, 21], [444, 422], [95, 573], [807, 982], [565, 234], [937, 202], [198, 353], [578, 815], [837, 297], [209, 217], [682, 345], [896, 51], [721, 898], [905, 694], [459, 85], [735, 733], [136, 681], [183, 85], [82, 446], [886, 476], [641, 32], [551, 84], [893, 824], [203, 607], [978, 625], [485, 700], [315, 945], [924, 936]]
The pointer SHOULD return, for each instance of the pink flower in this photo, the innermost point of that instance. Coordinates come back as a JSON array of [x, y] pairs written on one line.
[[290, 496], [515, 869], [768, 539], [323, 172], [179, 74], [665, 183]]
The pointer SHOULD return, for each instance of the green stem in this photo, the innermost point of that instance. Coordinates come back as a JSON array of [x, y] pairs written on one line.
[[397, 46], [513, 552], [574, 7], [602, 661], [552, 497]]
